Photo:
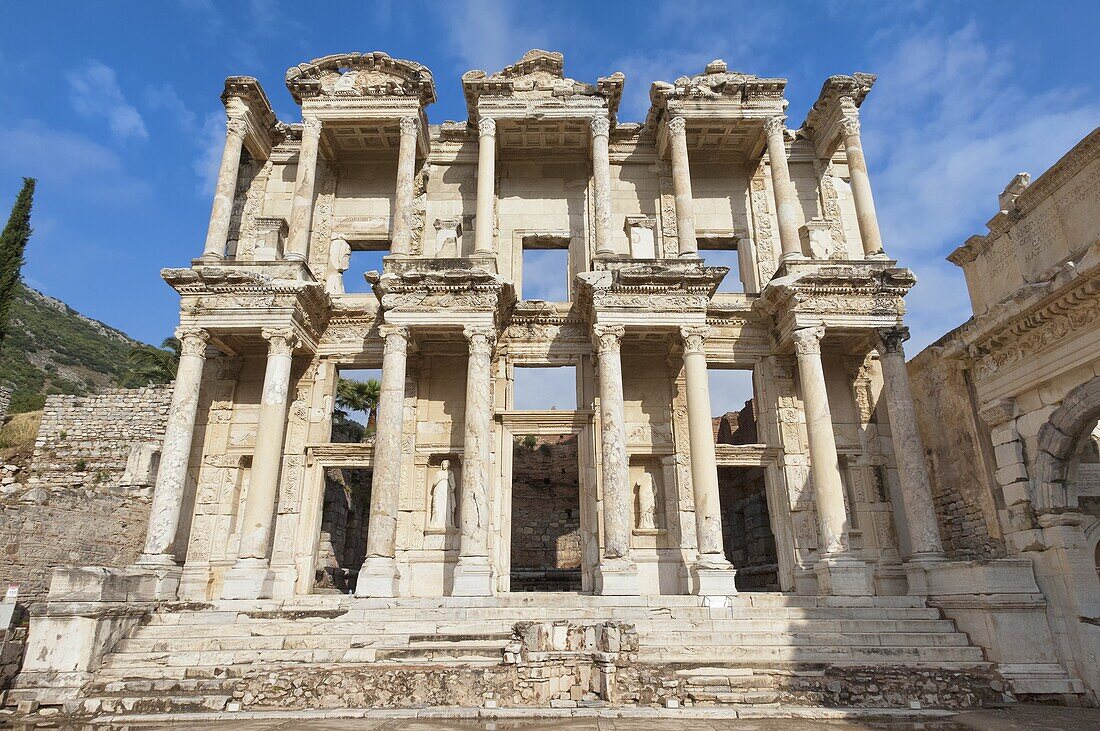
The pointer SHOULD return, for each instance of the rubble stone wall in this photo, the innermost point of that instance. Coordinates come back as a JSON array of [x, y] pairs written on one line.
[[546, 504], [72, 509], [958, 458]]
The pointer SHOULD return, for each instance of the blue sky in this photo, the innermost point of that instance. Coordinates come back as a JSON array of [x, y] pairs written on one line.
[[114, 108]]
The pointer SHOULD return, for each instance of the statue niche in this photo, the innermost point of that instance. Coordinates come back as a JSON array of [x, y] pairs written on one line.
[[442, 513]]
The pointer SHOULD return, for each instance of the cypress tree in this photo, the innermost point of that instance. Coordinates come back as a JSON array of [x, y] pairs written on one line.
[[13, 242]]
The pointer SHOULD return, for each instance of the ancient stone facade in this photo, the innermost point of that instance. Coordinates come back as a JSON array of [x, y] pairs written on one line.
[[1019, 385], [267, 324]]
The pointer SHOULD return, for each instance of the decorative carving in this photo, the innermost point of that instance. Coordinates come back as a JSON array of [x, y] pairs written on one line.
[[192, 341], [339, 259], [410, 126], [694, 337], [601, 126], [486, 127], [608, 338], [849, 126], [280, 341], [396, 338], [481, 339], [311, 126], [807, 340], [890, 340], [236, 126], [775, 125], [677, 126], [762, 225]]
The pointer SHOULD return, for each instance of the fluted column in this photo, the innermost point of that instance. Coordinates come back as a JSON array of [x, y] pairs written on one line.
[[601, 186], [473, 576], [866, 217], [301, 212], [714, 574], [401, 242], [786, 200], [225, 190], [837, 571], [379, 575], [486, 185], [916, 488], [681, 187], [618, 572], [164, 514], [250, 577]]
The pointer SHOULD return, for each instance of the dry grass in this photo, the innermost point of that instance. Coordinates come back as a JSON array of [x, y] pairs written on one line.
[[19, 433]]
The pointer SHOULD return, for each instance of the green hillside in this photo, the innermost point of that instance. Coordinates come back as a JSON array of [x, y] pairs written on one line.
[[52, 348]]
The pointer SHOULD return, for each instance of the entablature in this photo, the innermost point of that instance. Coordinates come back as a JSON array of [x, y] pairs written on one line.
[[442, 293], [839, 99]]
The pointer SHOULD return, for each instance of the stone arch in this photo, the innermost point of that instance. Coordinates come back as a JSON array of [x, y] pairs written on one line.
[[1058, 442]]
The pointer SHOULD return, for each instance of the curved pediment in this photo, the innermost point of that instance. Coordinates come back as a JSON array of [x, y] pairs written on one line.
[[374, 74]]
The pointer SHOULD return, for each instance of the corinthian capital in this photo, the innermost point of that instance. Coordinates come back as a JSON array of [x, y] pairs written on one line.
[[480, 338], [280, 340], [192, 340], [487, 126], [677, 126], [694, 337], [395, 338], [849, 126], [601, 126], [409, 126], [890, 340], [236, 126], [807, 340], [774, 125], [608, 338], [311, 126]]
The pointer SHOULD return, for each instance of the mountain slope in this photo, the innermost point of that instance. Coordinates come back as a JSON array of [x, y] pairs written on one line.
[[52, 348]]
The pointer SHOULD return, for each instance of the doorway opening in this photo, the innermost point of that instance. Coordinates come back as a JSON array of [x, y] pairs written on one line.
[[546, 540], [344, 518]]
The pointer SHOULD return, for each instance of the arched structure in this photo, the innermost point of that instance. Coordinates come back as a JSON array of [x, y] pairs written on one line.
[[1059, 440]]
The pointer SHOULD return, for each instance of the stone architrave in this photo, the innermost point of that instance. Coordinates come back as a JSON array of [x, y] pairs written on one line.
[[403, 198], [485, 223], [379, 575], [301, 212], [601, 186], [217, 234], [866, 217], [473, 576], [838, 571], [164, 514], [786, 199], [920, 512], [714, 574], [618, 571], [681, 185], [251, 576]]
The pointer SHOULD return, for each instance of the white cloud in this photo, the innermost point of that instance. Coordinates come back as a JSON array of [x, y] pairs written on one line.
[[946, 127], [94, 92], [165, 98], [486, 35], [211, 142]]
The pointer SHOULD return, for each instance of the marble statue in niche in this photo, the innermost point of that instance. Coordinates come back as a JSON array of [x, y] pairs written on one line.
[[443, 498], [647, 502], [339, 259]]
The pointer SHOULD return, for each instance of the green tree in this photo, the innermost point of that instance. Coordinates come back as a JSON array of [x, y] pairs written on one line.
[[146, 364], [359, 396], [13, 242]]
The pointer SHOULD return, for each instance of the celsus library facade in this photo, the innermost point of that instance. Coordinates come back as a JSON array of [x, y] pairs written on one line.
[[635, 529]]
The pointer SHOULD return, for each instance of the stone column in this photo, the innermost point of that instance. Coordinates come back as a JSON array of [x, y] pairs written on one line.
[[251, 576], [618, 572], [379, 575], [714, 576], [217, 233], [472, 574], [861, 189], [486, 186], [164, 515], [601, 186], [786, 200], [681, 187], [837, 571], [301, 212], [916, 488], [401, 242]]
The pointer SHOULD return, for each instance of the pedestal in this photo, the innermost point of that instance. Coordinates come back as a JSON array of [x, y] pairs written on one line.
[[916, 572], [842, 575], [714, 580], [473, 577], [378, 577], [249, 578], [617, 577]]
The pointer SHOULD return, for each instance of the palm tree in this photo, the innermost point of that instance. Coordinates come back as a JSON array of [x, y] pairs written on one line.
[[359, 396], [146, 364]]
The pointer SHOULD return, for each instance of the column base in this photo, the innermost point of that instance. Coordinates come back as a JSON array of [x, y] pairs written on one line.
[[160, 581], [714, 576], [378, 577], [156, 560], [617, 577], [877, 256], [249, 578], [916, 571], [843, 575], [473, 577]]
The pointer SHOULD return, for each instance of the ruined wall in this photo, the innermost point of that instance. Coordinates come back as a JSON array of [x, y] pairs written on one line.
[[546, 504], [958, 457], [746, 528], [344, 518], [72, 510]]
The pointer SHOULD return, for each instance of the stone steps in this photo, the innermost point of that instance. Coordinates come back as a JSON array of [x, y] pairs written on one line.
[[849, 655], [807, 638]]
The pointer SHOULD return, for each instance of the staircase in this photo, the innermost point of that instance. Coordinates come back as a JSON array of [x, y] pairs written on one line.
[[761, 648]]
